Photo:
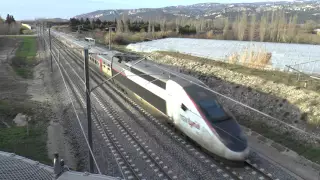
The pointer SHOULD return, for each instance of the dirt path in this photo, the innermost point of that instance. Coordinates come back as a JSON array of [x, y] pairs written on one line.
[[38, 96], [42, 89]]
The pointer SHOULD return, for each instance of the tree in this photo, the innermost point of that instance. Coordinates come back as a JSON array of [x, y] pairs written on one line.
[[87, 24], [274, 26], [178, 22], [10, 19], [1, 20], [163, 25], [309, 26], [124, 23], [281, 27], [98, 22], [263, 27], [73, 23], [292, 28], [81, 21], [119, 26], [149, 27], [252, 27], [226, 28], [242, 26], [235, 27]]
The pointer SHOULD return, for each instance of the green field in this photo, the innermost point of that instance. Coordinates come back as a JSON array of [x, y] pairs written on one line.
[[33, 146], [28, 142], [24, 60], [17, 139]]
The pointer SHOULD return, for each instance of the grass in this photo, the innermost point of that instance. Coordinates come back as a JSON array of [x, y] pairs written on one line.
[[24, 60], [33, 146], [16, 140], [9, 109], [305, 149], [252, 57], [270, 75]]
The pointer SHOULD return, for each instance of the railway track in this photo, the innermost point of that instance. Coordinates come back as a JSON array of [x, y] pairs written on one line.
[[111, 139], [218, 172], [128, 171], [248, 172]]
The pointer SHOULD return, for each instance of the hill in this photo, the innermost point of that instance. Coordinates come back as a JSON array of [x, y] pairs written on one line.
[[307, 9]]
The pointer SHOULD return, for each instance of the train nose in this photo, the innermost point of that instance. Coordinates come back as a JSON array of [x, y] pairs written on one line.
[[236, 156]]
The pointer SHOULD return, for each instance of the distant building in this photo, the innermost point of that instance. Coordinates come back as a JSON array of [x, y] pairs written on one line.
[[26, 25]]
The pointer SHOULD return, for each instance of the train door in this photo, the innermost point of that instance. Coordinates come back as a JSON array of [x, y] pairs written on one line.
[[180, 109], [172, 101], [106, 68], [100, 64]]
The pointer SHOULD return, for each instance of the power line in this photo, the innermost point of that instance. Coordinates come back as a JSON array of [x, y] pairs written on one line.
[[231, 100], [235, 101], [240, 103], [78, 119]]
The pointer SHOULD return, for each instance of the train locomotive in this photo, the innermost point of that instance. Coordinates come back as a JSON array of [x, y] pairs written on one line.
[[192, 109]]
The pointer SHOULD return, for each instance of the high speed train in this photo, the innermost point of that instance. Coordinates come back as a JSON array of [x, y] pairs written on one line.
[[192, 109]]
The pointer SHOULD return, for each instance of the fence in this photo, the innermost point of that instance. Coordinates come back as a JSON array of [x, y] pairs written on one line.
[[311, 67]]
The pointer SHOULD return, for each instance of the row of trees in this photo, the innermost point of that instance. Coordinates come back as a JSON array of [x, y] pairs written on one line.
[[9, 25], [276, 26], [127, 25]]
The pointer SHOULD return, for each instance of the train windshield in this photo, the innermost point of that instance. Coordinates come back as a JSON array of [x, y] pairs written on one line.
[[207, 102], [213, 111]]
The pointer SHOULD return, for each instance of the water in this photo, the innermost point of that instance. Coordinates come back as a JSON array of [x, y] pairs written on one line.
[[282, 54]]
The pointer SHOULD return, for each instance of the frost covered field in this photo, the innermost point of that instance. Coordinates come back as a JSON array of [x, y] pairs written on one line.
[[282, 54]]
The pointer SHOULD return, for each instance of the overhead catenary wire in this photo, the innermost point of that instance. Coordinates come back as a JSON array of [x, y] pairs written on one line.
[[222, 96], [119, 166], [227, 132], [240, 103], [235, 101], [77, 116]]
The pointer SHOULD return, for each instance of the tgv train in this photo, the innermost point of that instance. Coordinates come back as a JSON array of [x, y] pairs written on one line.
[[193, 110]]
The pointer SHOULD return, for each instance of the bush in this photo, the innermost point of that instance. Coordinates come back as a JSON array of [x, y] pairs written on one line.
[[210, 34], [253, 58]]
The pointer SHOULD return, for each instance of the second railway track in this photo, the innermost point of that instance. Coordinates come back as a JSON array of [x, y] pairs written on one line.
[[249, 172]]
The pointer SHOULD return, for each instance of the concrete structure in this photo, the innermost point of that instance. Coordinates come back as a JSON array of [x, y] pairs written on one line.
[[17, 167]]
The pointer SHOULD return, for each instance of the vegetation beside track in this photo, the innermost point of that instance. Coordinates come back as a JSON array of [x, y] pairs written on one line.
[[28, 141], [24, 60], [277, 93]]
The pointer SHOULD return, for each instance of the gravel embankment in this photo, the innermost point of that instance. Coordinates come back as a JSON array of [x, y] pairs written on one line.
[[290, 104]]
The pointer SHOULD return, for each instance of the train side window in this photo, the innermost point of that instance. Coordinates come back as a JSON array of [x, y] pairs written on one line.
[[183, 107]]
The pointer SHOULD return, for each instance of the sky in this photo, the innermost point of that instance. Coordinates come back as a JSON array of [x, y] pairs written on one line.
[[30, 9]]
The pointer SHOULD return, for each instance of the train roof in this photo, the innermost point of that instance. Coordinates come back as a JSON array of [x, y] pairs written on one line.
[[164, 74], [147, 67]]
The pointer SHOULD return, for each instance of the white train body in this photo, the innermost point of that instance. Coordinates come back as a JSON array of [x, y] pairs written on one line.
[[192, 109]]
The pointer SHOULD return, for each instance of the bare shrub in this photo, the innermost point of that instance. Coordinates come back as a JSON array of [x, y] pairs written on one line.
[[252, 57], [210, 34]]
